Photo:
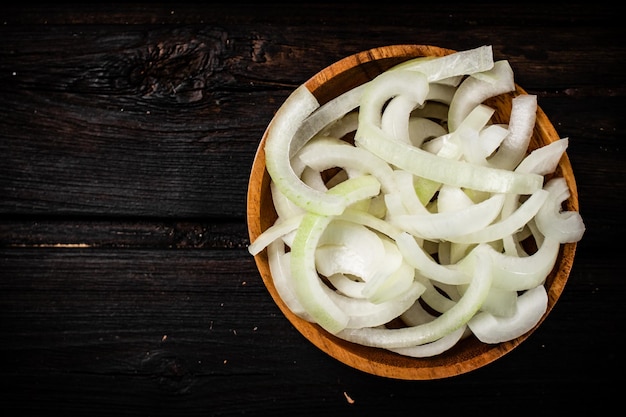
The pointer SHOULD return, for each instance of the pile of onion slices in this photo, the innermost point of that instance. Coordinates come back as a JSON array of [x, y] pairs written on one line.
[[400, 201]]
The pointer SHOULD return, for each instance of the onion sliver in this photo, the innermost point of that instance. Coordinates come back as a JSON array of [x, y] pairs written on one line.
[[530, 308], [364, 313], [349, 248], [518, 273], [422, 129], [420, 260], [521, 125], [474, 90], [564, 226], [307, 283], [370, 221], [433, 296], [413, 86], [459, 63], [433, 348], [507, 226], [458, 173], [278, 229], [500, 303], [279, 263], [281, 130], [544, 160], [325, 116], [326, 153], [443, 225], [444, 324], [347, 285]]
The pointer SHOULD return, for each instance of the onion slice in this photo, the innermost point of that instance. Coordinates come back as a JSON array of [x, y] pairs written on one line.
[[300, 104], [554, 222], [531, 307], [476, 89], [444, 324], [443, 170], [307, 284]]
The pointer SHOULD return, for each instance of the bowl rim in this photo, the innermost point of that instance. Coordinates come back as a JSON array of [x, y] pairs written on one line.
[[469, 354]]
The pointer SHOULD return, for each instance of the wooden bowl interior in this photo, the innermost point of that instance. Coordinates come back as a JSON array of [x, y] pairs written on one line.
[[468, 354]]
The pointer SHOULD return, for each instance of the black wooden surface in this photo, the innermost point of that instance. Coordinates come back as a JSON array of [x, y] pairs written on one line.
[[127, 133]]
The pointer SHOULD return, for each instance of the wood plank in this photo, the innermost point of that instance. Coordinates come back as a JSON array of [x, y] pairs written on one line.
[[449, 15], [150, 123], [142, 233], [129, 331]]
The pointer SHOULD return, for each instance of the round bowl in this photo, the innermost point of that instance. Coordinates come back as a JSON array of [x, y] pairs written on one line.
[[469, 354]]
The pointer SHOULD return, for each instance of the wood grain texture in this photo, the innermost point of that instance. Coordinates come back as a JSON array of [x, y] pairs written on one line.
[[127, 136], [85, 105]]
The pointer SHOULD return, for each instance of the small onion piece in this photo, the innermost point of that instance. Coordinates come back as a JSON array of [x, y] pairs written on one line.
[[433, 348], [530, 308], [521, 124], [279, 263], [563, 226], [476, 89]]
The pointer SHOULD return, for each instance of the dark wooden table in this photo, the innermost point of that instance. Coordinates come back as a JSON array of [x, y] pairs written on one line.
[[127, 133]]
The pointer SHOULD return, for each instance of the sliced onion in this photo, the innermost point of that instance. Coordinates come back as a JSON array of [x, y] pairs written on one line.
[[326, 153], [443, 170], [279, 263], [347, 285], [554, 222], [523, 273], [405, 184], [433, 348], [447, 322], [416, 315], [460, 63], [280, 228], [433, 297], [395, 119], [327, 115], [444, 225], [393, 277], [422, 129], [507, 226], [500, 303], [364, 313], [531, 307], [284, 207], [307, 284], [474, 90], [426, 265], [521, 125], [544, 160], [300, 104], [423, 217], [413, 86], [349, 248]]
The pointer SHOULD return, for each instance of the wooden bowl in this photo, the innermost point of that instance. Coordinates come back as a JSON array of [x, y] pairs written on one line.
[[469, 354]]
